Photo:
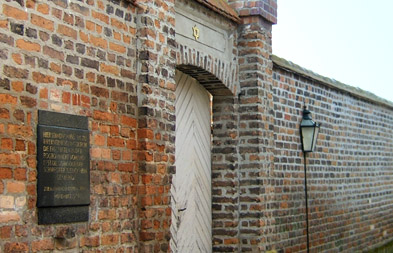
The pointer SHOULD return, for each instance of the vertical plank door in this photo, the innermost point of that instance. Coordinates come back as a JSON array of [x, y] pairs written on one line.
[[191, 185]]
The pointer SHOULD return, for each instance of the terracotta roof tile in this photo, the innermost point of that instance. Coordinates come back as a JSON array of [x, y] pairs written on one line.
[[222, 7]]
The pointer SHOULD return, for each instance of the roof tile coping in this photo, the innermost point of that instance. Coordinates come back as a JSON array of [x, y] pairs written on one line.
[[218, 6], [221, 7], [288, 65]]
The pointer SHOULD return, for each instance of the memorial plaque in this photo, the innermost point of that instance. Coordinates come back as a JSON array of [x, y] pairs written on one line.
[[63, 166], [63, 187]]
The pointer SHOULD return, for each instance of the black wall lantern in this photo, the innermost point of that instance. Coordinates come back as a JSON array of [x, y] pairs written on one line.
[[308, 133]]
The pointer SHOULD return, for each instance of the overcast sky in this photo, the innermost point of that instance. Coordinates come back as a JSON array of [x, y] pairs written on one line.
[[347, 40]]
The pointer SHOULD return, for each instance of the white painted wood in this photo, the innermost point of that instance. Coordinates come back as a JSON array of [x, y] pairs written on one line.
[[191, 185]]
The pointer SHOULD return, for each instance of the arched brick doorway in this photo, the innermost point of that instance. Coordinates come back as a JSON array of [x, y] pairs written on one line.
[[217, 186], [191, 185], [211, 62]]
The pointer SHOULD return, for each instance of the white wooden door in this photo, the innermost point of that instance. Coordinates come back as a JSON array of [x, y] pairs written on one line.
[[191, 185]]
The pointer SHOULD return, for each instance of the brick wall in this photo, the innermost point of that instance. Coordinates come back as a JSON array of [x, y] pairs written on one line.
[[350, 173], [114, 62], [243, 144], [156, 110], [255, 146], [76, 57]]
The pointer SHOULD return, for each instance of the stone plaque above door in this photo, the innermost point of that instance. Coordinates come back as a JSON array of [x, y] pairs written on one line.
[[206, 40]]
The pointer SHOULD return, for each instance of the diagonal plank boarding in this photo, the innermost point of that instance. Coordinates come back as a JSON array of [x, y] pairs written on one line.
[[191, 185]]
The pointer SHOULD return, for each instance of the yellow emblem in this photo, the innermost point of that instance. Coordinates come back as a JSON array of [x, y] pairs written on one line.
[[195, 32]]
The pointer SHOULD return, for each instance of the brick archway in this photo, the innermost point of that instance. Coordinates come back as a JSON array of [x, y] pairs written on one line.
[[206, 79], [212, 59], [218, 76]]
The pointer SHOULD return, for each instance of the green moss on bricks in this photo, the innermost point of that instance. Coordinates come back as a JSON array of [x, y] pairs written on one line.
[[386, 248]]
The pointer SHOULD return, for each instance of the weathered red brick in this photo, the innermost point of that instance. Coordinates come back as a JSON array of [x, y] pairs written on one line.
[[118, 24], [111, 239], [99, 92], [7, 143], [3, 23], [110, 69], [9, 216], [84, 37], [42, 22], [67, 31], [28, 101], [80, 9], [115, 142], [85, 101], [28, 46], [106, 116], [4, 113], [32, 89], [9, 159], [116, 47], [66, 82], [53, 54], [15, 187], [20, 130], [43, 8], [68, 18], [100, 16], [129, 121], [131, 144], [21, 231], [99, 140], [145, 133], [17, 58], [14, 12], [147, 236], [107, 214], [44, 94], [14, 72], [11, 247], [5, 173], [5, 232], [98, 42], [42, 78], [66, 97], [7, 99], [55, 67], [20, 174], [92, 241], [127, 167], [43, 244]]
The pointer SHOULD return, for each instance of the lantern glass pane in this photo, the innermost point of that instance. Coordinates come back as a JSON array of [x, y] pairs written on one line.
[[307, 135], [315, 137]]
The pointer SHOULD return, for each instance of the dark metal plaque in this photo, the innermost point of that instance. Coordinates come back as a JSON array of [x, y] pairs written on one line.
[[68, 214], [63, 163], [63, 167]]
